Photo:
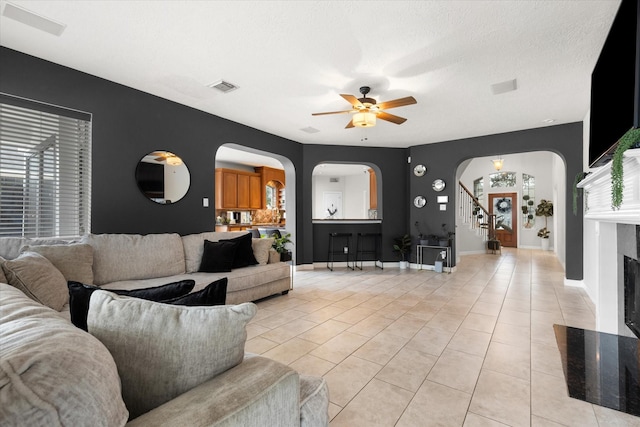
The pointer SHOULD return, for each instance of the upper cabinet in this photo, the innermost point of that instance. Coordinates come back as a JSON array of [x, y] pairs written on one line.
[[373, 190], [236, 189], [273, 184]]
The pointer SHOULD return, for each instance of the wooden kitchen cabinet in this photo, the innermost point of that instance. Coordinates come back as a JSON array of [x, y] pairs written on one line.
[[373, 190], [236, 189]]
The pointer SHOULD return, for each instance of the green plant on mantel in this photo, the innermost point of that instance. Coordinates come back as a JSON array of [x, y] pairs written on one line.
[[628, 140]]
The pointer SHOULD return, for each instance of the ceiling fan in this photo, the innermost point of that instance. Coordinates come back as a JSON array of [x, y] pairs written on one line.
[[366, 110], [167, 156]]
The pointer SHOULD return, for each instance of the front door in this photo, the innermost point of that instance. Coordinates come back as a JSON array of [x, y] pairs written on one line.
[[503, 205]]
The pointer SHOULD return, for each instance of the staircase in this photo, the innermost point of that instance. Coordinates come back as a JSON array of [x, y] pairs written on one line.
[[475, 215]]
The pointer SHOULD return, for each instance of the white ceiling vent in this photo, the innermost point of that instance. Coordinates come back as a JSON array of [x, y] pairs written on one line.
[[503, 87], [33, 20], [334, 179], [223, 86]]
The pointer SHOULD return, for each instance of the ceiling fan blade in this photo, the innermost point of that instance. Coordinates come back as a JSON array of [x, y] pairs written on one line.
[[349, 125], [332, 112], [352, 100], [397, 103], [391, 118], [160, 159]]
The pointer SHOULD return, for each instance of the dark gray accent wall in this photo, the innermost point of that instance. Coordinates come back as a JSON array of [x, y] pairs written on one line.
[[128, 123], [442, 161]]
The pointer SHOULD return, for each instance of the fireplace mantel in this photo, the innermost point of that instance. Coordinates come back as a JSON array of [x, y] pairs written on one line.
[[597, 192]]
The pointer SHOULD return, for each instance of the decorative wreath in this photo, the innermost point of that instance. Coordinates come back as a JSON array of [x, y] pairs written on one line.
[[503, 205]]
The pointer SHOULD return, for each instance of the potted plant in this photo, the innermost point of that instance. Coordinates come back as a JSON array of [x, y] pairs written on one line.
[[545, 209], [279, 244], [445, 238], [402, 245]]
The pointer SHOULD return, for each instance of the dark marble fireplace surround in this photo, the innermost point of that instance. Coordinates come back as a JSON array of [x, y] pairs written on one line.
[[631, 278]]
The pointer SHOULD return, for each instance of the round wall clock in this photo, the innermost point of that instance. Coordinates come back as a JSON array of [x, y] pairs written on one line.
[[419, 201], [419, 170], [438, 185]]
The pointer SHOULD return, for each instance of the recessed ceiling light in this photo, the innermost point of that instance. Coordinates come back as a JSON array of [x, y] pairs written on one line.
[[503, 87], [33, 20], [309, 129], [548, 120], [223, 86]]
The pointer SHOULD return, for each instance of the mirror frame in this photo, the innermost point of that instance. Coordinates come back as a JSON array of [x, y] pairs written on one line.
[[153, 181]]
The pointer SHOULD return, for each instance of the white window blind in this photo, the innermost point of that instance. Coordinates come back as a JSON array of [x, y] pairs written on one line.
[[45, 169]]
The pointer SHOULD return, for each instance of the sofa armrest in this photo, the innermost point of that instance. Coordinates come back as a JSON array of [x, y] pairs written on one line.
[[257, 392]]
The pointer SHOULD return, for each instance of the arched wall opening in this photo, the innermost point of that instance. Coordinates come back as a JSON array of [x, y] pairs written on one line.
[[252, 157], [547, 172]]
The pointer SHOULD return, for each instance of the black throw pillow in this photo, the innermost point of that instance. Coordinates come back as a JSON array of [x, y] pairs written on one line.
[[244, 254], [214, 294], [80, 295], [217, 257]]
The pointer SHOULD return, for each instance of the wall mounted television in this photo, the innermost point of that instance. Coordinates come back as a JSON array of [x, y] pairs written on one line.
[[615, 85]]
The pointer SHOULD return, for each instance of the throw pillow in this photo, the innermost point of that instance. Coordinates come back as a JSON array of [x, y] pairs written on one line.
[[3, 278], [244, 254], [163, 350], [80, 295], [218, 257], [37, 277], [214, 294], [75, 261], [52, 373], [261, 249]]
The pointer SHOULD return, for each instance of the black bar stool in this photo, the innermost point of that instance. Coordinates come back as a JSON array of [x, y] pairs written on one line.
[[336, 248], [368, 244]]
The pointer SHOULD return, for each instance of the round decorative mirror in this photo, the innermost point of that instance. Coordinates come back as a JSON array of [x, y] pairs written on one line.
[[438, 185], [163, 177], [419, 170], [419, 201]]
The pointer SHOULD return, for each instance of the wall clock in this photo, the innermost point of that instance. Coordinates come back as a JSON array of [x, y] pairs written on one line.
[[419, 170], [438, 185]]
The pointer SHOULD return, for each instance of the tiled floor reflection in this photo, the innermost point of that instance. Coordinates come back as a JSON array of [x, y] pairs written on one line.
[[601, 368], [418, 348]]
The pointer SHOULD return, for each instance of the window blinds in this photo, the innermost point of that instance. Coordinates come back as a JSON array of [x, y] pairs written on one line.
[[45, 170]]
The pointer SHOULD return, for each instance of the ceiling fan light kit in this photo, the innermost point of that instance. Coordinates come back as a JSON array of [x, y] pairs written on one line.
[[366, 110]]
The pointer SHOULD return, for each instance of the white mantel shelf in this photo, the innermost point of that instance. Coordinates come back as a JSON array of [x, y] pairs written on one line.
[[597, 192]]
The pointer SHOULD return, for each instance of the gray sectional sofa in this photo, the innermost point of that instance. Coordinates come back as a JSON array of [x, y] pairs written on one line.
[[143, 363]]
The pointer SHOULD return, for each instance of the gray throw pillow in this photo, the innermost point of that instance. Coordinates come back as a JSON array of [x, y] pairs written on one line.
[[38, 278], [75, 261], [164, 350]]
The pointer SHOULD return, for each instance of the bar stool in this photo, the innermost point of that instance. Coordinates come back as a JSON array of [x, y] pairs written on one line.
[[367, 244], [335, 239]]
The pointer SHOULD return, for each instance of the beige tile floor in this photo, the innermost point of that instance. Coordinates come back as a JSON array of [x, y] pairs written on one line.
[[419, 348]]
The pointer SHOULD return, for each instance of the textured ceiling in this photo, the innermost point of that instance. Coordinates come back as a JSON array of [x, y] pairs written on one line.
[[291, 59]]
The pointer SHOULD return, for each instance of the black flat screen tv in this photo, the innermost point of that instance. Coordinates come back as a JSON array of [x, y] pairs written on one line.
[[615, 85], [150, 177]]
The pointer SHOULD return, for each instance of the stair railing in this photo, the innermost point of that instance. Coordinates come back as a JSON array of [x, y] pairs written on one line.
[[473, 213]]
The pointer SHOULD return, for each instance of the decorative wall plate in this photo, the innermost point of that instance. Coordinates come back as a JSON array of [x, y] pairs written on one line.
[[419, 201], [438, 185], [419, 170]]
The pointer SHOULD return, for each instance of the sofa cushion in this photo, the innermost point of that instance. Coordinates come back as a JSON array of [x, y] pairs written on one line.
[[314, 401], [133, 256], [37, 278], [176, 347], [10, 246], [80, 294], [52, 373], [261, 249], [194, 245], [244, 253], [75, 261], [217, 257]]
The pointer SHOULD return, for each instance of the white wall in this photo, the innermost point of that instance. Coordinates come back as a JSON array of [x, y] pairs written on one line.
[[548, 170], [355, 195], [176, 182]]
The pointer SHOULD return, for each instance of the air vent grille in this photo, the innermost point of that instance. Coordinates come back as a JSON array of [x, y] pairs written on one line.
[[222, 86], [334, 179]]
